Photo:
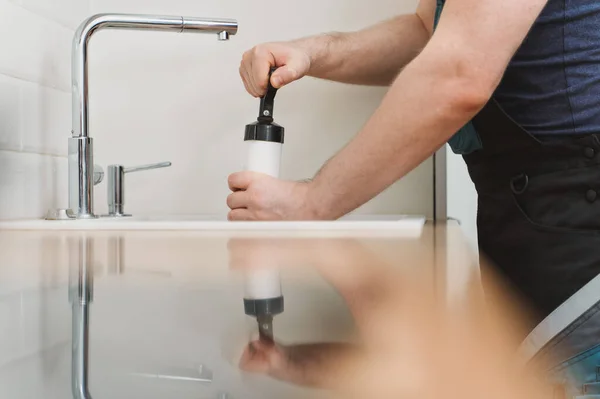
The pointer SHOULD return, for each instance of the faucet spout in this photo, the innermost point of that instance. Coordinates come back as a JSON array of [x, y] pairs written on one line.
[[220, 27], [81, 166]]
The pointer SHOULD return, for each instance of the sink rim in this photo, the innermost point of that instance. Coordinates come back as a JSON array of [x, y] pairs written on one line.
[[403, 225]]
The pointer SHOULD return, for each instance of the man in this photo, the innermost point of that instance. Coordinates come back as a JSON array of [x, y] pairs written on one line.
[[514, 85]]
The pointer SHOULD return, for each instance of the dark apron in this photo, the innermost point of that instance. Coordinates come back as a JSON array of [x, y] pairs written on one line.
[[538, 213]]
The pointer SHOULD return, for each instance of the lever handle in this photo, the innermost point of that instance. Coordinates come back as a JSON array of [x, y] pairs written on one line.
[[267, 102], [98, 174], [147, 167]]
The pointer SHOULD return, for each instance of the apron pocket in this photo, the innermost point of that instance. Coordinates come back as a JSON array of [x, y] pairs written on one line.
[[567, 200]]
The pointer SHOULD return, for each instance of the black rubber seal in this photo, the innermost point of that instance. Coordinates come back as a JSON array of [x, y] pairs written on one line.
[[271, 132], [258, 307]]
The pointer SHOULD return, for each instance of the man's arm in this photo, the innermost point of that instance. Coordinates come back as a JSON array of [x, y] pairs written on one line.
[[372, 56], [432, 98]]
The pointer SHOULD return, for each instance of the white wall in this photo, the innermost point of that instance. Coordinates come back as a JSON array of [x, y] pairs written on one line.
[[35, 37], [461, 196]]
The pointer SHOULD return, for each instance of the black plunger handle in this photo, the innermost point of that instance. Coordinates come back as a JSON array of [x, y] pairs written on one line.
[[267, 102]]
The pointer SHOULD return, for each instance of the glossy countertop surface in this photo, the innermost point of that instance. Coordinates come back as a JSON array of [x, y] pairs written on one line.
[[167, 303], [398, 224]]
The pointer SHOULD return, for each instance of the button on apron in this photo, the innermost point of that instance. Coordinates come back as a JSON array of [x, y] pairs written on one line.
[[591, 195], [589, 152]]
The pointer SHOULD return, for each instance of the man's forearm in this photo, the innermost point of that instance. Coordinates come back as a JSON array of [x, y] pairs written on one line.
[[372, 56], [428, 103]]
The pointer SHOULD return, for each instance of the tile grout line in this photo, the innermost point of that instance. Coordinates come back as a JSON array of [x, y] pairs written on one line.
[[42, 15], [21, 118], [33, 153], [46, 85], [54, 21]]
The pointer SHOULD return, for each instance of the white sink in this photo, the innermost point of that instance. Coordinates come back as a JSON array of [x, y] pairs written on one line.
[[394, 224]]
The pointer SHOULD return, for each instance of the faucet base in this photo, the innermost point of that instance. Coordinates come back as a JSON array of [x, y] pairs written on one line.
[[60, 214], [81, 176], [116, 215], [66, 214], [86, 216]]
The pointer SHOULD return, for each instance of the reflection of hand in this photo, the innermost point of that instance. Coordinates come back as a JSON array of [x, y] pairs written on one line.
[[315, 365], [413, 344], [264, 358]]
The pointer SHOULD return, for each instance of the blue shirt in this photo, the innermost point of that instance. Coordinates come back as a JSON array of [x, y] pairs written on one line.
[[552, 85]]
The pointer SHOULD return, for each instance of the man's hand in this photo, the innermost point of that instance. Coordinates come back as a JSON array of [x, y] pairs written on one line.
[[257, 196], [293, 61], [372, 56], [264, 358]]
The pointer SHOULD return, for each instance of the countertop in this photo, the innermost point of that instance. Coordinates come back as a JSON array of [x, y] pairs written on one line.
[[395, 224], [167, 301]]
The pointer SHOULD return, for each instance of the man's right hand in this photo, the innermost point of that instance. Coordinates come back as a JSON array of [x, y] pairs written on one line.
[[292, 60], [372, 56]]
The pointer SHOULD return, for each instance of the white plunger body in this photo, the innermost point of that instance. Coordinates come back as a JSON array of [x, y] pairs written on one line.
[[262, 280], [264, 157]]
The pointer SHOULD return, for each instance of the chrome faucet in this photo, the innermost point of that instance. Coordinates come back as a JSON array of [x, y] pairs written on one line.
[[81, 160]]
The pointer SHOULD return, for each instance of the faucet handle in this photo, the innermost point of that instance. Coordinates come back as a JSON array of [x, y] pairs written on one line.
[[98, 174], [116, 185], [145, 167]]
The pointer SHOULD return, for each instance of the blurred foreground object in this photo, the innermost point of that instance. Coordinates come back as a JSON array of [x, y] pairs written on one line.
[[412, 341], [568, 341]]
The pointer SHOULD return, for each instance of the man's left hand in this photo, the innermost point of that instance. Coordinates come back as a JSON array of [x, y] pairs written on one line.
[[257, 196]]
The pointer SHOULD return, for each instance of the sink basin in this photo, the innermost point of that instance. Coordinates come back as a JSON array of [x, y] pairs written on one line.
[[394, 224]]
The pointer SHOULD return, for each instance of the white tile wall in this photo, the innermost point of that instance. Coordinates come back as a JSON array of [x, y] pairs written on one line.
[[10, 113], [34, 48], [45, 119], [30, 184], [67, 12], [35, 43]]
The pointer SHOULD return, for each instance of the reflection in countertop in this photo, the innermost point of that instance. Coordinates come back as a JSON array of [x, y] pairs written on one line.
[[170, 302]]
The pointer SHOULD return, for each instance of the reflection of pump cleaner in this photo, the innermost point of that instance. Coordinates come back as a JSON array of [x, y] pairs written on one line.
[[263, 298]]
